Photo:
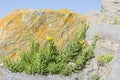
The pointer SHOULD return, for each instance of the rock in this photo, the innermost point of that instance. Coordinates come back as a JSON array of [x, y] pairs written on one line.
[[114, 67], [94, 17], [1, 74], [16, 27], [108, 43], [108, 32], [110, 10], [7, 75]]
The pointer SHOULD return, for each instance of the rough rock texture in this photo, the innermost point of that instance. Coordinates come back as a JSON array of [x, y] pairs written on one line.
[[16, 27], [15, 30], [111, 9], [115, 66], [108, 43]]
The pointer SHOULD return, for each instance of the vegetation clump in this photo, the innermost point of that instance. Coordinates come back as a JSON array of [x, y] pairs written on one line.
[[48, 60], [115, 21], [103, 59]]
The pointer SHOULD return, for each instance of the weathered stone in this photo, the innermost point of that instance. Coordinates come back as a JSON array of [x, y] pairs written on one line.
[[111, 9], [115, 67], [16, 27], [108, 43], [1, 74], [108, 32]]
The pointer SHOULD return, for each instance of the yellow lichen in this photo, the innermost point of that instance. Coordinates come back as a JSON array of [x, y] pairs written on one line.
[[6, 48], [64, 19], [15, 57], [52, 22], [65, 11]]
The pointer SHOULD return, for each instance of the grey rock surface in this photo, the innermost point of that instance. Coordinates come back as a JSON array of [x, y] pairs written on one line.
[[115, 67], [111, 9], [108, 43], [108, 32], [7, 75]]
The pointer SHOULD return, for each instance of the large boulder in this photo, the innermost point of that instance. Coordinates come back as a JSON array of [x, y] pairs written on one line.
[[16, 28]]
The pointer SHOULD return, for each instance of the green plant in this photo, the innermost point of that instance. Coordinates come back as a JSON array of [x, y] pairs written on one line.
[[96, 76], [115, 21], [74, 48], [13, 65], [48, 60], [86, 54], [103, 59]]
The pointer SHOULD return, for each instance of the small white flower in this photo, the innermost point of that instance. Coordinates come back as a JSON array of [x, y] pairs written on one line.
[[71, 64], [1, 64]]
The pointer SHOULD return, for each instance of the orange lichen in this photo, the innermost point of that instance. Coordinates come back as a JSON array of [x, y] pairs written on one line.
[[15, 57], [64, 19], [61, 25], [6, 48], [70, 21], [65, 11]]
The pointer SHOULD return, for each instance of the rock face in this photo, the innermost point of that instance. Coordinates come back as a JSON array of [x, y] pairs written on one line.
[[108, 43], [111, 9], [115, 65], [16, 27]]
